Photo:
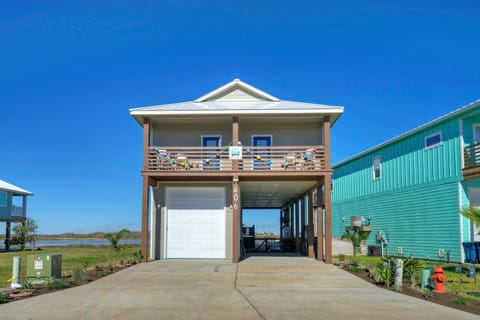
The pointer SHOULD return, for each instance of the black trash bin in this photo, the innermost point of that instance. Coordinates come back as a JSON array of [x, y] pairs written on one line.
[[470, 252]]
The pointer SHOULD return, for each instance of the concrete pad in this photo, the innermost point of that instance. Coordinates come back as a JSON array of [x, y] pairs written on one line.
[[261, 288]]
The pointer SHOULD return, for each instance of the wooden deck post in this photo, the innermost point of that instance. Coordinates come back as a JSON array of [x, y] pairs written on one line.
[[302, 223], [327, 192], [297, 227], [145, 191], [310, 224], [320, 252], [7, 236], [235, 140], [235, 209], [328, 219]]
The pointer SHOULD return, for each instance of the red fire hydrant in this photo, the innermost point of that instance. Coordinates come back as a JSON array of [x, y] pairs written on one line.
[[439, 278]]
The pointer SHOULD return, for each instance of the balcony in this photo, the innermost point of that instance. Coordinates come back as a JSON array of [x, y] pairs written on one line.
[[471, 164], [255, 160], [18, 213]]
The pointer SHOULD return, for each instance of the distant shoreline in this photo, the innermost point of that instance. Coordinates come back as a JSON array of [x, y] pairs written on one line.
[[132, 235]]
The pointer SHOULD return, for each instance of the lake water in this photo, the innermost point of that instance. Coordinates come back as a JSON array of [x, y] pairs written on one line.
[[76, 242]]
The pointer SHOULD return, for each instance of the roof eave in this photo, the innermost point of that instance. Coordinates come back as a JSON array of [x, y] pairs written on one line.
[[447, 116]]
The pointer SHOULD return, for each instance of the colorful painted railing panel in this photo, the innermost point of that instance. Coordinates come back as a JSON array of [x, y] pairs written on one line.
[[252, 158]]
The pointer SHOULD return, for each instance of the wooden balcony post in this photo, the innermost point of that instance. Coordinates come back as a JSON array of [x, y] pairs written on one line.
[[302, 223], [235, 140], [7, 236], [320, 249], [310, 223], [326, 140], [328, 218], [235, 216], [146, 142], [145, 202], [24, 206]]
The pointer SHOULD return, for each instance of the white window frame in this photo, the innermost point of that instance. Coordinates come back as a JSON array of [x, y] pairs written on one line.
[[474, 127], [438, 133], [379, 167]]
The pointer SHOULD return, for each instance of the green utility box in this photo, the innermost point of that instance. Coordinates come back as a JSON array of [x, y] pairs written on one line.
[[44, 266]]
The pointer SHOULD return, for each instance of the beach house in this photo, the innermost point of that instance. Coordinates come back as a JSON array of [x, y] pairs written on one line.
[[233, 148], [410, 189], [13, 207]]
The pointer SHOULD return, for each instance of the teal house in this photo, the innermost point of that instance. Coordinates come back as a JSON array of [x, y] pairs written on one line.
[[409, 189], [13, 207]]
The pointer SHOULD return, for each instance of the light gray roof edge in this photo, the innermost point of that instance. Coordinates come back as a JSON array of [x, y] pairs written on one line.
[[155, 107], [5, 186], [447, 116]]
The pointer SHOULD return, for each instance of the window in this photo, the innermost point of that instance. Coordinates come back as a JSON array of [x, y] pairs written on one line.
[[3, 199], [433, 140], [377, 168]]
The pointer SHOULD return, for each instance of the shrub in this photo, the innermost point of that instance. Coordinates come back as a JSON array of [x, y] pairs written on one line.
[[79, 275]]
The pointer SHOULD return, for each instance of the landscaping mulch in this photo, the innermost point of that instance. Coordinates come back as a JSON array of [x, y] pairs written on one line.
[[91, 275], [445, 299]]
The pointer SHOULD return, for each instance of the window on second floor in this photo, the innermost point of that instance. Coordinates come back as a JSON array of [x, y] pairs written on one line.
[[3, 198], [433, 140], [377, 168]]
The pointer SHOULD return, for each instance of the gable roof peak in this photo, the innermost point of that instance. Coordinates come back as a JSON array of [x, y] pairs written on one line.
[[237, 90]]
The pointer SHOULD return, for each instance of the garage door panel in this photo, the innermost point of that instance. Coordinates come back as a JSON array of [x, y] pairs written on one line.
[[196, 222]]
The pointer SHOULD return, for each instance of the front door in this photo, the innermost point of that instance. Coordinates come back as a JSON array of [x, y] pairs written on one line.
[[261, 160], [211, 155]]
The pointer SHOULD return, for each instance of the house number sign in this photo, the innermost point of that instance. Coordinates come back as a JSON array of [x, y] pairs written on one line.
[[235, 196]]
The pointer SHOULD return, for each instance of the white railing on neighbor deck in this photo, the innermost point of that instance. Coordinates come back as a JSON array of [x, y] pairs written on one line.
[[18, 212]]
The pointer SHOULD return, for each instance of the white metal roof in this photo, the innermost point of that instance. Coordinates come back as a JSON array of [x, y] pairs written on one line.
[[449, 115], [5, 186], [236, 98]]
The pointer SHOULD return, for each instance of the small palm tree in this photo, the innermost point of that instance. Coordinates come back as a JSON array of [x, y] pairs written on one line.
[[114, 239], [472, 213]]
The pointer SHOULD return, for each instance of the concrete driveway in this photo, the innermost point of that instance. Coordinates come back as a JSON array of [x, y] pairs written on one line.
[[257, 288]]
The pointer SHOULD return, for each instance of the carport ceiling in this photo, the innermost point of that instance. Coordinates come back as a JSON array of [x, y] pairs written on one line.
[[273, 194]]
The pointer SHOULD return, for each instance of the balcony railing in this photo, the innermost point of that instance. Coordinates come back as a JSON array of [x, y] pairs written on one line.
[[471, 156], [210, 159], [18, 212]]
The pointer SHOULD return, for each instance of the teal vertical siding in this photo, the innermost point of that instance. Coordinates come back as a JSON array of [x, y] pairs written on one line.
[[6, 211], [416, 202], [404, 163], [420, 219]]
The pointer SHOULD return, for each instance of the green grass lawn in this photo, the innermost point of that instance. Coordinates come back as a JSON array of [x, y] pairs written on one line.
[[72, 257]]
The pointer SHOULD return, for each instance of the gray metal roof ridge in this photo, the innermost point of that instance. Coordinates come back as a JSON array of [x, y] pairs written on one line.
[[451, 114]]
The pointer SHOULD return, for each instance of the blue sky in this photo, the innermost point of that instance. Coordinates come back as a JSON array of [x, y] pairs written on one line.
[[70, 70]]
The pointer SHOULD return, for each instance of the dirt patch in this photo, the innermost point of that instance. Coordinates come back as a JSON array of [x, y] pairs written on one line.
[[68, 282], [445, 299]]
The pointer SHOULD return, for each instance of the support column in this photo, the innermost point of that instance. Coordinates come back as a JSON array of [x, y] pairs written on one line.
[[327, 192], [145, 202], [145, 191], [7, 236], [297, 227], [235, 209], [235, 140], [328, 219], [292, 220], [310, 223], [319, 224], [302, 224], [24, 206]]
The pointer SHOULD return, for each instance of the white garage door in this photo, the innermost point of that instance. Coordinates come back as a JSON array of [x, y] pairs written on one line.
[[196, 222]]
